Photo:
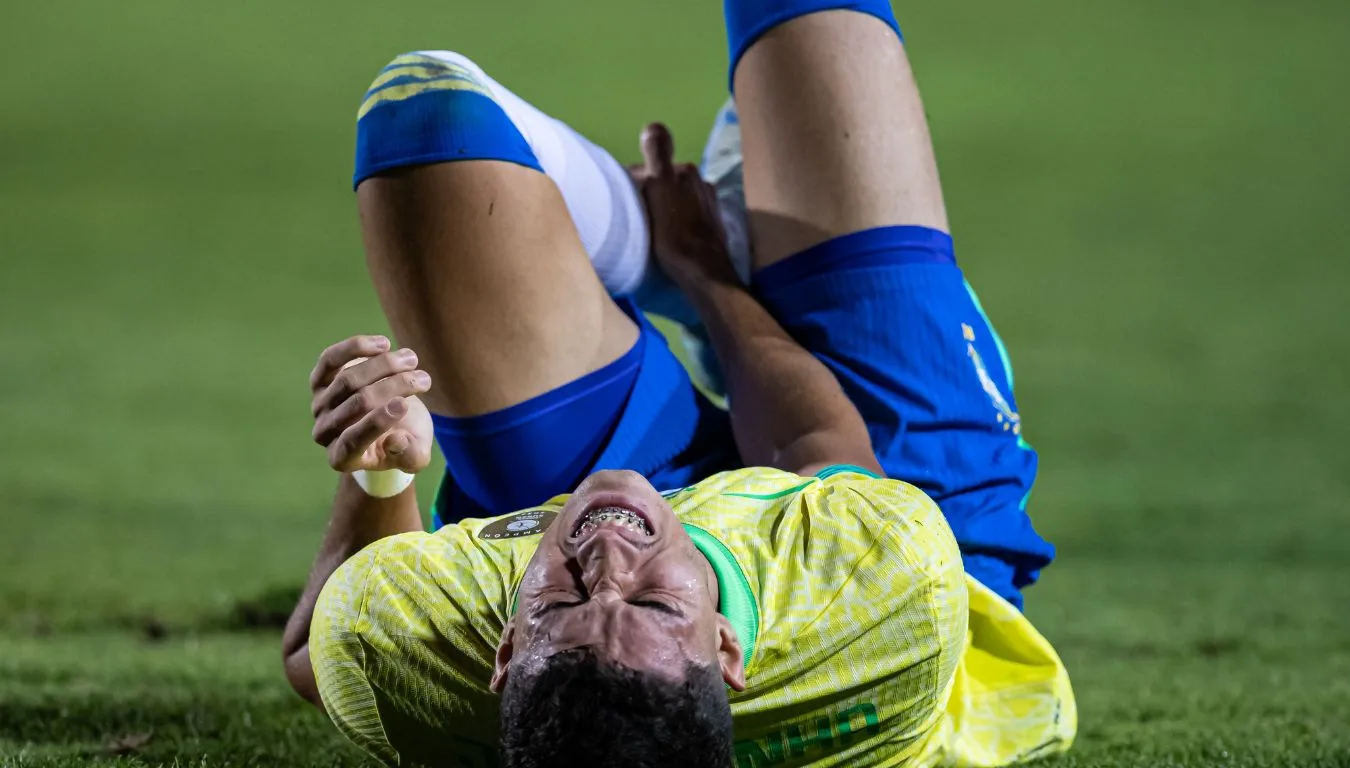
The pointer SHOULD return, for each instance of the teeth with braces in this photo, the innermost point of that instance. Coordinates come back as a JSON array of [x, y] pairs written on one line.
[[612, 516]]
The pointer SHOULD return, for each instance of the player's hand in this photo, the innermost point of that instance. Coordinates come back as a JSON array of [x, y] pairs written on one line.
[[365, 407], [687, 237]]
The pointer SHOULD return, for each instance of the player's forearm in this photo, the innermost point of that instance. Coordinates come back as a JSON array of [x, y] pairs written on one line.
[[787, 409], [357, 520]]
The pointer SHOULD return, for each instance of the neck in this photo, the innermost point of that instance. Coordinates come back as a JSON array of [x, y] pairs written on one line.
[[714, 588]]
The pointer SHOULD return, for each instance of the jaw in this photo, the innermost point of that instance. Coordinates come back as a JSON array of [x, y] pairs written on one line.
[[640, 519]]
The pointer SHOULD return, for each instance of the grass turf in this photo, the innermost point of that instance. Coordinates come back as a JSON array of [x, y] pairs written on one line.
[[1149, 197]]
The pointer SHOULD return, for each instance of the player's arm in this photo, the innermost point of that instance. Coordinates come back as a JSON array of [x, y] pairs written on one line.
[[368, 417], [787, 409]]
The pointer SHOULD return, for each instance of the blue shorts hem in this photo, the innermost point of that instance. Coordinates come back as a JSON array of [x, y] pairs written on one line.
[[665, 430], [880, 246], [747, 21]]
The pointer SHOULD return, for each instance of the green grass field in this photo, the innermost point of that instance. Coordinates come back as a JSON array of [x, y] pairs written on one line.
[[1151, 197]]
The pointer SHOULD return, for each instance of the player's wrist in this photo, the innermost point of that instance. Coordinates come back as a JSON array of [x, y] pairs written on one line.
[[697, 279], [383, 483], [711, 295]]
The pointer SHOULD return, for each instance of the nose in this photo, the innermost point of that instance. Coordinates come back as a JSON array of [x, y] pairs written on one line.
[[607, 563], [602, 586]]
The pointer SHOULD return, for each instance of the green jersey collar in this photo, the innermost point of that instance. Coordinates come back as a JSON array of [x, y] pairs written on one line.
[[737, 600]]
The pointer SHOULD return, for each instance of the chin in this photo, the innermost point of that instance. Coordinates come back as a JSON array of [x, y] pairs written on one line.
[[626, 493]]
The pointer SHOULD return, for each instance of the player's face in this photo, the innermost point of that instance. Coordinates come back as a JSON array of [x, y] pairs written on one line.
[[617, 572]]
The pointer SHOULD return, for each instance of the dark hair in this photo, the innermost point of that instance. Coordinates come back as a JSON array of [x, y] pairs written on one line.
[[583, 711]]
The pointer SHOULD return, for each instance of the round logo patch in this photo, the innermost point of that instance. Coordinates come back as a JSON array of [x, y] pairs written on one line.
[[528, 523]]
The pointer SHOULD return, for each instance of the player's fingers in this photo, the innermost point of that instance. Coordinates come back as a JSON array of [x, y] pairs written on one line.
[[692, 184], [346, 452], [707, 194], [396, 443], [353, 378], [330, 424], [341, 353], [690, 179], [658, 150], [401, 451]]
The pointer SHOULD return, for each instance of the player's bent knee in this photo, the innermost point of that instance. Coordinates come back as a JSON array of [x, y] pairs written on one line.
[[433, 107]]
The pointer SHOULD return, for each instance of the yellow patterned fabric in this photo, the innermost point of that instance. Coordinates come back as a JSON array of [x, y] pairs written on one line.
[[866, 644]]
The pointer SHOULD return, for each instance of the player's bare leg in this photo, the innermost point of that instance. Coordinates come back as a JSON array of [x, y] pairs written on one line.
[[834, 134], [464, 192], [853, 257], [495, 236], [479, 268]]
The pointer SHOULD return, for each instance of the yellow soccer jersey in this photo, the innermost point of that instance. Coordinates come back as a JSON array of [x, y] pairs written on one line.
[[846, 591]]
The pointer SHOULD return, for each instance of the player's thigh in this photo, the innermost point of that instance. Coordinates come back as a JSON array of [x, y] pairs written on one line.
[[538, 376], [479, 269], [834, 134]]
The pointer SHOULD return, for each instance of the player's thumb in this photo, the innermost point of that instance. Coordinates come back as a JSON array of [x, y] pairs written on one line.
[[397, 449], [658, 150]]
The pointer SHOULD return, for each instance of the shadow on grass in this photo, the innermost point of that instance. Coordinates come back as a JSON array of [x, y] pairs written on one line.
[[268, 609], [76, 728]]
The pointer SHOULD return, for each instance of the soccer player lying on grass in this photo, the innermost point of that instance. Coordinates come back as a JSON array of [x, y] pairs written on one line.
[[782, 603]]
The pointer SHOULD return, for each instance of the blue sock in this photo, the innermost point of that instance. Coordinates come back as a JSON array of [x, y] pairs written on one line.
[[422, 109], [748, 20]]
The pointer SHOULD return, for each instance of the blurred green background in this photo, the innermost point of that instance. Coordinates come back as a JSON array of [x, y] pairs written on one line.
[[1150, 197]]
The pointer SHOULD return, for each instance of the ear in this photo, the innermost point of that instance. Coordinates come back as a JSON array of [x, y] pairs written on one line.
[[505, 650], [730, 655]]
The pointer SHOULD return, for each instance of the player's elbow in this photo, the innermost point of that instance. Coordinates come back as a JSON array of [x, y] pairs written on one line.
[[295, 652], [300, 674]]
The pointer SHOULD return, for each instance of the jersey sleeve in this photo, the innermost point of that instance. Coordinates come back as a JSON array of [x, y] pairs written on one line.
[[402, 644]]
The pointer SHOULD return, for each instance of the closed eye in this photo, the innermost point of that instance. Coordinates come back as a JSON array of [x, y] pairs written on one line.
[[648, 604], [655, 606], [555, 606]]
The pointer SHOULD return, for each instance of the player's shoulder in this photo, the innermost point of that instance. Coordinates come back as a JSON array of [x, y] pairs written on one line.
[[459, 582], [411, 559], [851, 508], [477, 558]]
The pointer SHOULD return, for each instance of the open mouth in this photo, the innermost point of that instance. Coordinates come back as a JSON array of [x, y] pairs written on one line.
[[609, 514]]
